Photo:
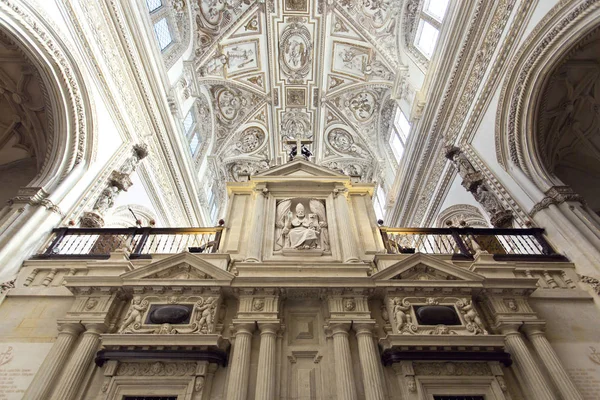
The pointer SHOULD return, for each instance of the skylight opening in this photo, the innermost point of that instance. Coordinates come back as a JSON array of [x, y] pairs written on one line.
[[153, 5], [437, 8], [163, 33], [426, 38]]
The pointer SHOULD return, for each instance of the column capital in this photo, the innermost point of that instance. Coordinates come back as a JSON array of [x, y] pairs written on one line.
[[363, 327], [339, 327], [534, 328], [70, 328], [243, 327], [268, 327], [509, 329], [95, 328]]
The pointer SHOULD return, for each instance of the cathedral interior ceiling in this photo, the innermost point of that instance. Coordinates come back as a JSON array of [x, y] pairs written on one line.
[[278, 71]]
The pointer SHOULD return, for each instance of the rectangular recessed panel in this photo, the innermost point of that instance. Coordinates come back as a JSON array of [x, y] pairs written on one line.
[[153, 5], [163, 34]]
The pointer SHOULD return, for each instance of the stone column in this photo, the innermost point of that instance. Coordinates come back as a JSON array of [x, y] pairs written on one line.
[[54, 362], [72, 376], [549, 358], [344, 378], [265, 378], [349, 247], [369, 360], [538, 387], [237, 387], [255, 240]]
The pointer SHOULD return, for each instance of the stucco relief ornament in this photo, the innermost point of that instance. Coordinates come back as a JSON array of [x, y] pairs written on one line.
[[594, 355], [295, 51], [296, 124], [205, 314], [362, 106], [349, 304], [299, 230], [402, 316], [472, 320], [133, 319], [249, 140]]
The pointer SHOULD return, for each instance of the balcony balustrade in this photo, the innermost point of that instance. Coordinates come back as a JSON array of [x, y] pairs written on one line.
[[140, 242], [504, 244]]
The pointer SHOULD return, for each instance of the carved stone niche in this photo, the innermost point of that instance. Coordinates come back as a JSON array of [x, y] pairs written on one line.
[[434, 316], [301, 227], [173, 314]]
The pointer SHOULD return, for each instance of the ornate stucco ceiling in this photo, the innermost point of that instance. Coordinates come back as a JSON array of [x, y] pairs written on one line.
[[275, 71]]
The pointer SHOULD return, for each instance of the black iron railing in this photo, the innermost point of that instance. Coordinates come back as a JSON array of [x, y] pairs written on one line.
[[466, 242], [140, 242]]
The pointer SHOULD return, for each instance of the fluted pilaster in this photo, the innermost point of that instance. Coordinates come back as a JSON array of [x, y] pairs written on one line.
[[54, 362], [72, 377], [265, 379], [369, 359], [237, 388], [255, 239], [557, 372], [537, 384], [344, 377], [349, 248], [208, 382]]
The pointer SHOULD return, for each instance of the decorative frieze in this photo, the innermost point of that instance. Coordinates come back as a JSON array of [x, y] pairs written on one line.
[[434, 316], [172, 315]]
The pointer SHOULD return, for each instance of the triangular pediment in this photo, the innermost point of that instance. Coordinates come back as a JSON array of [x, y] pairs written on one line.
[[183, 267], [300, 168], [421, 267]]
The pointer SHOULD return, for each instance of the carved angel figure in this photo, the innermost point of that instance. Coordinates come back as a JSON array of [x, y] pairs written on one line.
[[471, 317], [205, 313], [301, 230], [401, 314], [134, 315]]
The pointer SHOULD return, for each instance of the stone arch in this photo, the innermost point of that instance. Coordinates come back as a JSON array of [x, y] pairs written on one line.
[[459, 213], [516, 120], [70, 139]]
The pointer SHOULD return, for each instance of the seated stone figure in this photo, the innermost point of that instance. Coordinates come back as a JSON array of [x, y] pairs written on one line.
[[302, 232]]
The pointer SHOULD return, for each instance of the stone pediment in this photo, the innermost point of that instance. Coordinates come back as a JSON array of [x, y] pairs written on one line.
[[419, 267], [300, 169], [180, 267]]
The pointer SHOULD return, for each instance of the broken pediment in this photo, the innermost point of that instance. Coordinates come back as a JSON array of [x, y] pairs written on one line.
[[421, 267], [300, 169], [180, 267]]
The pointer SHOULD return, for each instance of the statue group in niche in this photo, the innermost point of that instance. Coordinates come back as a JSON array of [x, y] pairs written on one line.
[[301, 230]]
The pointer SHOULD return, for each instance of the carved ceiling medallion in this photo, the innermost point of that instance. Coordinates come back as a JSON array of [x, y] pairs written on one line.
[[229, 102], [295, 52], [250, 139], [362, 105]]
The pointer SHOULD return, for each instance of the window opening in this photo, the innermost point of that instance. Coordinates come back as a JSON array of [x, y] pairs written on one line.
[[399, 134], [380, 203], [153, 5], [163, 33], [437, 8]]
